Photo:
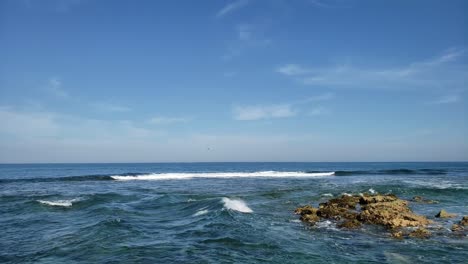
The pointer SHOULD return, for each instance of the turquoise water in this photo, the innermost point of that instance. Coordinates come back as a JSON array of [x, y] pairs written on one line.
[[217, 212]]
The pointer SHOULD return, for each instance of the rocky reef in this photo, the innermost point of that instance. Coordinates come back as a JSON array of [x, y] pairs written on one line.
[[352, 211]]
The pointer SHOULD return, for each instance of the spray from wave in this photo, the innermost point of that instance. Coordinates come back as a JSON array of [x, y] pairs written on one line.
[[184, 176], [236, 205]]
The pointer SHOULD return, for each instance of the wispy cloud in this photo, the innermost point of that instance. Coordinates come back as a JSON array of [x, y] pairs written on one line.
[[28, 124], [441, 71], [248, 36], [110, 107], [54, 86], [31, 125], [164, 120], [231, 7], [293, 69], [318, 111], [263, 112], [284, 110], [447, 99]]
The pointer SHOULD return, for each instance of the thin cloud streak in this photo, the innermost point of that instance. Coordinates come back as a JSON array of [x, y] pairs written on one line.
[[273, 111], [230, 8], [163, 120], [439, 72], [249, 113], [448, 99], [110, 107]]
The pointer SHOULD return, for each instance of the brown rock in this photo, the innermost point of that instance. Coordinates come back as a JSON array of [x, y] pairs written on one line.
[[420, 233], [305, 210], [391, 214], [377, 199], [420, 199], [445, 214], [310, 218], [456, 228], [386, 210], [464, 221], [350, 224], [397, 234]]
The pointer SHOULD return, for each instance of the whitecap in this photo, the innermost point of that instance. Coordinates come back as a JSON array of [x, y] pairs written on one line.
[[327, 194], [372, 191], [185, 176], [63, 203], [201, 212], [236, 205]]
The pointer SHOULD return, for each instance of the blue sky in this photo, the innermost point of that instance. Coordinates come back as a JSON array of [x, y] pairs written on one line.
[[238, 80]]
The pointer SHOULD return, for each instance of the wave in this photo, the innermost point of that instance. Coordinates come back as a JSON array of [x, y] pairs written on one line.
[[182, 176], [392, 172], [61, 203], [201, 212], [190, 175], [61, 179], [236, 205]]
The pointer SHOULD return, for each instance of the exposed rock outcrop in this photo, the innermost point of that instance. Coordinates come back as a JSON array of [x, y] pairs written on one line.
[[353, 211], [445, 214], [464, 221]]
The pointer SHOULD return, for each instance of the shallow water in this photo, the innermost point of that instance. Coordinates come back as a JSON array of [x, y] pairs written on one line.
[[217, 212]]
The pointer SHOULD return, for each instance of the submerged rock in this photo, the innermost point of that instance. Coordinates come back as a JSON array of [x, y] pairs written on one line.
[[397, 234], [445, 214], [461, 226], [420, 199], [456, 228], [420, 233], [350, 224], [464, 221]]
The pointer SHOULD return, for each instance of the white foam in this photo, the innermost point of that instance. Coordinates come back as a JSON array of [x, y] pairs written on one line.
[[327, 194], [236, 205], [372, 191], [63, 203], [201, 212], [438, 184], [185, 176]]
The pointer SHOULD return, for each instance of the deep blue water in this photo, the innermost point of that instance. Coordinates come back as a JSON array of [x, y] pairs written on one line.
[[217, 212]]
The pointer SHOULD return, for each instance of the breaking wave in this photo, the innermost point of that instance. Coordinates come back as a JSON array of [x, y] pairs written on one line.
[[392, 172], [236, 205], [182, 176], [61, 203]]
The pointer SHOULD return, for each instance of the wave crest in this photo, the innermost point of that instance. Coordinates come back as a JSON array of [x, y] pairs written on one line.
[[182, 176], [61, 203], [236, 205]]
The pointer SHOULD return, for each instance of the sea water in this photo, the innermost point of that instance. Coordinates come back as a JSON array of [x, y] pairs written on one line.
[[218, 212]]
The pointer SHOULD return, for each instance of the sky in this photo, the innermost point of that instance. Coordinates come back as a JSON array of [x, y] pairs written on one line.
[[233, 80]]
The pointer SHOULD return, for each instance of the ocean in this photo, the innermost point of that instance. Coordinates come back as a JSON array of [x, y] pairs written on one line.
[[218, 212]]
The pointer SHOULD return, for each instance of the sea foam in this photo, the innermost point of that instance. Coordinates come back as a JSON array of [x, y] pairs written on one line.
[[236, 205], [201, 212], [184, 176], [62, 203]]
